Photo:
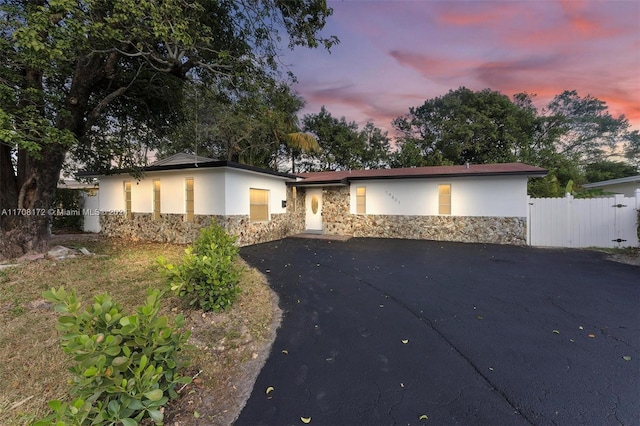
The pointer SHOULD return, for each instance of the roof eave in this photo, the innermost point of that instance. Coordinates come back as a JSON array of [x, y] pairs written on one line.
[[630, 179], [319, 183], [192, 166], [452, 175]]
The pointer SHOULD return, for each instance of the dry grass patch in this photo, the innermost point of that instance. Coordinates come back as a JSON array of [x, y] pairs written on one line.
[[228, 349]]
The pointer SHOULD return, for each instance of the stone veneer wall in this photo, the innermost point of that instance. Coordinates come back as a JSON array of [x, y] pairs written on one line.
[[172, 228], [337, 220]]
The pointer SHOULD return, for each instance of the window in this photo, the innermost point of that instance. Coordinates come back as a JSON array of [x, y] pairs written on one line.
[[156, 199], [259, 205], [127, 198], [188, 183], [361, 200], [294, 197], [444, 199]]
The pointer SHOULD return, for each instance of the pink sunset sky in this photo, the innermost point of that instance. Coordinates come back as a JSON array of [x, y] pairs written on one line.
[[397, 54]]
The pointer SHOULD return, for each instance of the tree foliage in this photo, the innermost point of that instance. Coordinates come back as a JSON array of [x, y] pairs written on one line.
[[607, 170], [255, 124], [586, 130], [343, 145], [76, 75], [632, 148], [488, 127], [465, 126]]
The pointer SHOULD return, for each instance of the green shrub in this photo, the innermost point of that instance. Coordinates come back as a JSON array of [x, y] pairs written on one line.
[[208, 276], [125, 365]]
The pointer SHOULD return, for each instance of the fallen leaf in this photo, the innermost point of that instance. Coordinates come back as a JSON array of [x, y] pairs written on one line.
[[592, 335], [405, 341], [556, 332], [305, 420], [479, 317], [424, 417], [269, 390], [626, 358]]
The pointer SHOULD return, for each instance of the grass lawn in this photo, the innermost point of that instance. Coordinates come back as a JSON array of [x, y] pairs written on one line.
[[228, 348]]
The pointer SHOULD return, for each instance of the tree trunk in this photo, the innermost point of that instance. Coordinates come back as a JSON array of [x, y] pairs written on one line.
[[25, 216]]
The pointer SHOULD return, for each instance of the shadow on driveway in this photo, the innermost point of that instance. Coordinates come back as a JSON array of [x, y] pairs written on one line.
[[379, 332]]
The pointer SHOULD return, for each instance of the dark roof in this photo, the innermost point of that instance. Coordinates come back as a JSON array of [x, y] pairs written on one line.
[[343, 177], [628, 179], [181, 158], [192, 165]]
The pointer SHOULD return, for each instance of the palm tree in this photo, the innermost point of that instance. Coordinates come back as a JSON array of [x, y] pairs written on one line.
[[298, 142]]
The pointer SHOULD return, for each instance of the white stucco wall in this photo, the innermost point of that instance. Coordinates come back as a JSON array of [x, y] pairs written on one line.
[[470, 196], [239, 182], [112, 192], [90, 203], [628, 188], [210, 187]]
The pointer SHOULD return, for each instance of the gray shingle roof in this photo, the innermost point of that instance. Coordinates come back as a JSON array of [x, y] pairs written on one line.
[[181, 158]]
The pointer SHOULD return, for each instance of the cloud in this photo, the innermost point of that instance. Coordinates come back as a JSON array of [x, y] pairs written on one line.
[[398, 54], [357, 105], [433, 67], [465, 14], [512, 75]]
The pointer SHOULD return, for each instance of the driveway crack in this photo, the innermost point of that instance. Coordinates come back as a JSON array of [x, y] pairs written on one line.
[[431, 325]]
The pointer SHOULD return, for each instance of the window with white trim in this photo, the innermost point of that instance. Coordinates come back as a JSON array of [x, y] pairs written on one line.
[[444, 199], [189, 200], [258, 205], [127, 198], [361, 200], [156, 199]]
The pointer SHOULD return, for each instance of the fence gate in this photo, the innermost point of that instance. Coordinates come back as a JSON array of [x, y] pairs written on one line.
[[593, 222]]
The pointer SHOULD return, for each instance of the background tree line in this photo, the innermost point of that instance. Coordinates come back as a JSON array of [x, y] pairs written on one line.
[[575, 137]]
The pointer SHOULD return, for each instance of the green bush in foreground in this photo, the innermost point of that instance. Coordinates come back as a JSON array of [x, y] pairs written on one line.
[[208, 277], [125, 365]]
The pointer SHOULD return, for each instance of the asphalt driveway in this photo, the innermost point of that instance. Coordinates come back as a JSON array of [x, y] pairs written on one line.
[[380, 332]]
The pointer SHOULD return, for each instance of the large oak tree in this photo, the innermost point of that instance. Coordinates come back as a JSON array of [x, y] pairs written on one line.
[[71, 69]]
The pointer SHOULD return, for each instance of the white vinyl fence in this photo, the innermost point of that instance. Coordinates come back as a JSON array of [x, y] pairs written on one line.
[[593, 222]]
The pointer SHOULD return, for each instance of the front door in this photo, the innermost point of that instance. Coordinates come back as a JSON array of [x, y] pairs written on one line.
[[313, 203]]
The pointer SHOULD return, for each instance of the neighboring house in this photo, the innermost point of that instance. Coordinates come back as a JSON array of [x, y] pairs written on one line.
[[177, 196], [627, 185]]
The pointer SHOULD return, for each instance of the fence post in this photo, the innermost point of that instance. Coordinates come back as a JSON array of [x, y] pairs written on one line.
[[568, 237], [636, 195], [528, 220]]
